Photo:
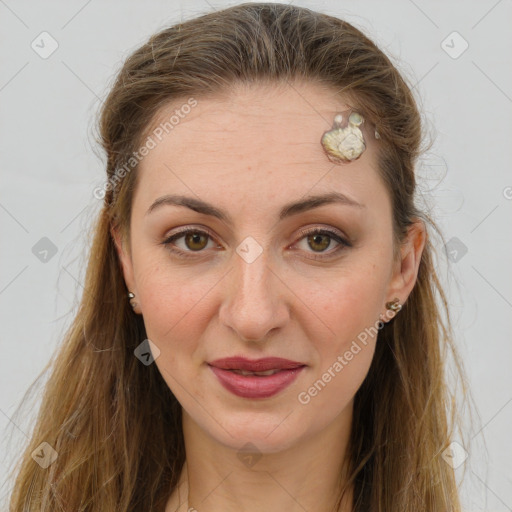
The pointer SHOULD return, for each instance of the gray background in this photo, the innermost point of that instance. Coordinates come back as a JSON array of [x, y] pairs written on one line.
[[50, 166]]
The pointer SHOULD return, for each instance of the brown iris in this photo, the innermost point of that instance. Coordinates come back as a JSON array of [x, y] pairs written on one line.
[[316, 239], [196, 238]]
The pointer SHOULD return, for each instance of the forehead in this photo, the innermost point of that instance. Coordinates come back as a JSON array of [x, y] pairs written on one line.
[[262, 139]]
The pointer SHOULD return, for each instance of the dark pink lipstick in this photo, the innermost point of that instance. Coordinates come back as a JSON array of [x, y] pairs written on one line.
[[244, 377]]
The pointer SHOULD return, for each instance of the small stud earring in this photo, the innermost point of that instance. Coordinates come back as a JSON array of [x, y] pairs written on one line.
[[132, 296], [394, 305]]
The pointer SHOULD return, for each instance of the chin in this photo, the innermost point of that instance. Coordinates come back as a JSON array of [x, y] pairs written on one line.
[[270, 435], [257, 443]]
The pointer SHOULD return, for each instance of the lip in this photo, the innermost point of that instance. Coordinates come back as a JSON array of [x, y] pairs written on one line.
[[253, 386], [255, 365]]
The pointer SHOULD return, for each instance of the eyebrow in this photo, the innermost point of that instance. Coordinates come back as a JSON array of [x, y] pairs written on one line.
[[287, 210]]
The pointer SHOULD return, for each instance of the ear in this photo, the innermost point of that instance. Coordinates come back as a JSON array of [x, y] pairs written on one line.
[[406, 269], [124, 258]]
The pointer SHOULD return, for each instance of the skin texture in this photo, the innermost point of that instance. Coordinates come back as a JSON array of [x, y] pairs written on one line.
[[250, 153]]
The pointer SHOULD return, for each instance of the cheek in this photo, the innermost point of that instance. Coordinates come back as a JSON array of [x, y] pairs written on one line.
[[348, 304], [350, 308], [175, 306], [176, 318], [332, 387], [345, 301]]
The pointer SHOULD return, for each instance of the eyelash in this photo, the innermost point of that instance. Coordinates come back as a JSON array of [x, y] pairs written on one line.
[[168, 242]]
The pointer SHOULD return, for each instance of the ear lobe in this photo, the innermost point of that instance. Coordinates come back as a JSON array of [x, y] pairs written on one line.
[[406, 272]]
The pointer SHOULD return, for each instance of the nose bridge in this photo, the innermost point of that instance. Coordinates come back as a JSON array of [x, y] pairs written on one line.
[[252, 305]]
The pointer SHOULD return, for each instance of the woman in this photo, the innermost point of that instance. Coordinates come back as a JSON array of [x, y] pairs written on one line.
[[259, 328]]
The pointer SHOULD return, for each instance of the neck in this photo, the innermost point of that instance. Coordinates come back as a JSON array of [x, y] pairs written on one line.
[[306, 476]]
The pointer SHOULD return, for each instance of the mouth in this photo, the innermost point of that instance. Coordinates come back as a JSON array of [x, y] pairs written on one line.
[[261, 378]]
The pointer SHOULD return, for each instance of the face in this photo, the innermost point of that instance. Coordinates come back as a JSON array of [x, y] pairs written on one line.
[[261, 279]]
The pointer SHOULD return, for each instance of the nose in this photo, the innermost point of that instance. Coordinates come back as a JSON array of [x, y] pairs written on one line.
[[254, 301]]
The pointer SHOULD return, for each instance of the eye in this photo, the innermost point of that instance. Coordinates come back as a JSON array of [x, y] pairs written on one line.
[[321, 239], [194, 240]]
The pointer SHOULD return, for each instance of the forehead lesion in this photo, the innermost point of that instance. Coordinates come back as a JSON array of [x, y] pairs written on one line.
[[345, 141]]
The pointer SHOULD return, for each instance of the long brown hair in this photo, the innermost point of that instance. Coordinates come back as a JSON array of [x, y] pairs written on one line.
[[113, 421]]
